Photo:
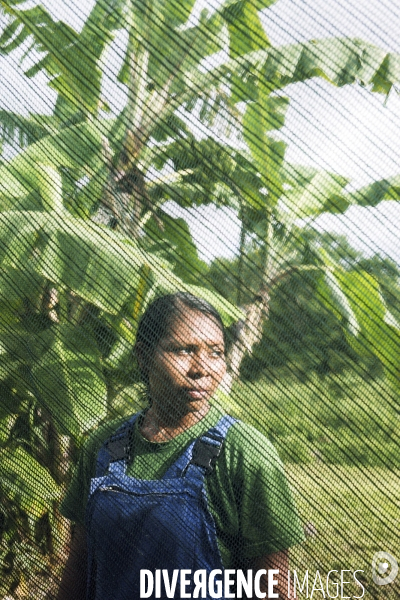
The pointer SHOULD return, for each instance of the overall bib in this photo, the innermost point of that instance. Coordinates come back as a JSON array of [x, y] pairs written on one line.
[[136, 524]]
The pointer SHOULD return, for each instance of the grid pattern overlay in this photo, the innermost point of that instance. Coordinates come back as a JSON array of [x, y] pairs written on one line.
[[242, 152]]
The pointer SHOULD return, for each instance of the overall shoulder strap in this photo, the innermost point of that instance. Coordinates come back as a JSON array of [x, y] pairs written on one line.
[[221, 428], [208, 447], [201, 455], [116, 447]]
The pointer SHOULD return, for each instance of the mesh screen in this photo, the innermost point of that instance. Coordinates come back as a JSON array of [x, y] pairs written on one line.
[[198, 218]]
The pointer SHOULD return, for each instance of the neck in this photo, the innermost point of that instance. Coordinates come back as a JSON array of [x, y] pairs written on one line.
[[160, 424]]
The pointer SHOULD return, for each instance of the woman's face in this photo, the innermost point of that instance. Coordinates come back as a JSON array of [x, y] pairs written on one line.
[[188, 364]]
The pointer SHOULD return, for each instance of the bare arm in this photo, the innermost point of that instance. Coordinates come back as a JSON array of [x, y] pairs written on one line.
[[73, 582], [280, 561]]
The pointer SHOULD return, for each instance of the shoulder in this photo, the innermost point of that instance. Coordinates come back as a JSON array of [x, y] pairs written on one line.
[[246, 438], [96, 439], [248, 448]]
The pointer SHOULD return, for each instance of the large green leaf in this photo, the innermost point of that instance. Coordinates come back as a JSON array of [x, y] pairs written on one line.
[[246, 32], [262, 116], [266, 114], [11, 187], [93, 262], [358, 296], [372, 194], [37, 167], [23, 478], [68, 380], [24, 347], [49, 182], [176, 243], [332, 295], [321, 194], [72, 60], [365, 297], [175, 12], [339, 60], [26, 129], [121, 355], [246, 36], [311, 192]]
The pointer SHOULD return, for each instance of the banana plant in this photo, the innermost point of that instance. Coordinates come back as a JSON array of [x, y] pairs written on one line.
[[161, 70], [71, 290], [293, 192], [79, 160], [71, 294], [279, 226], [372, 329]]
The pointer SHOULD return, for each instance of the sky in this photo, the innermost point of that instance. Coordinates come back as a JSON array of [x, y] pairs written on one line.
[[348, 130]]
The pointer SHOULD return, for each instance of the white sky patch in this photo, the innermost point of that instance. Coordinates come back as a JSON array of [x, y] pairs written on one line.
[[72, 12], [375, 21], [357, 224], [348, 131], [215, 231], [356, 136]]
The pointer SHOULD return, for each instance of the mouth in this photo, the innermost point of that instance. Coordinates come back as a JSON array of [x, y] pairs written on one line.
[[197, 393]]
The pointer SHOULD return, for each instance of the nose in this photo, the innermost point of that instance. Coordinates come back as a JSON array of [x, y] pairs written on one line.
[[200, 365]]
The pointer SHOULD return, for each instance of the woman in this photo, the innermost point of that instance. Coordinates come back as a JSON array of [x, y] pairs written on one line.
[[179, 486]]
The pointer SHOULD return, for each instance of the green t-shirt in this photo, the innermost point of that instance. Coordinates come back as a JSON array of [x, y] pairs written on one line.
[[248, 494]]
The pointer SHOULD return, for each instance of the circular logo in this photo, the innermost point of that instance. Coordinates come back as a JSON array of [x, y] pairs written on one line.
[[384, 568]]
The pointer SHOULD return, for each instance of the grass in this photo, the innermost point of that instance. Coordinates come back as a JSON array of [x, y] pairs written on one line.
[[341, 420], [355, 512]]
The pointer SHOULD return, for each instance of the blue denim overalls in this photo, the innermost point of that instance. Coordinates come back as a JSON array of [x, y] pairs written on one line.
[[136, 524]]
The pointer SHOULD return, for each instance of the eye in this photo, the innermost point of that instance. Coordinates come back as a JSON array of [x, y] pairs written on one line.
[[217, 353], [182, 351]]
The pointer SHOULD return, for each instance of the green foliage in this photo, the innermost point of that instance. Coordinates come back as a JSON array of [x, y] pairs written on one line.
[[24, 130], [174, 241], [379, 329], [301, 337], [29, 489], [203, 165], [69, 382], [357, 297], [324, 315], [72, 255], [387, 273], [338, 60], [24, 478], [261, 117], [242, 17], [39, 168], [90, 265], [341, 419], [321, 194], [72, 60]]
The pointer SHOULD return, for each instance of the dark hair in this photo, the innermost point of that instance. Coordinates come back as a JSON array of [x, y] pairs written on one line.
[[157, 319]]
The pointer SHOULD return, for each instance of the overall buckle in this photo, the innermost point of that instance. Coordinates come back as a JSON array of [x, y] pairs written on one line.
[[205, 454]]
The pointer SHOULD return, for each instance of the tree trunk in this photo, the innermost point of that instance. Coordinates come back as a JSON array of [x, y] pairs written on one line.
[[103, 216], [247, 334], [241, 256]]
